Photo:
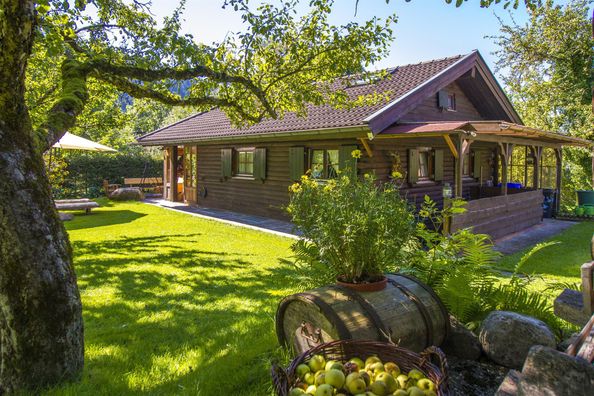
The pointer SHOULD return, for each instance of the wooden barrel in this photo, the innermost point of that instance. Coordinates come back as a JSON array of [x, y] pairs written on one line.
[[406, 312]]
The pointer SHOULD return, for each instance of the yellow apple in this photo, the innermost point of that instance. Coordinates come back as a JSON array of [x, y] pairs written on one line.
[[351, 377], [379, 388], [317, 363], [372, 359], [414, 391], [296, 392], [430, 393], [311, 390], [400, 392], [426, 384], [335, 378], [324, 390], [320, 378], [302, 369], [402, 380], [360, 364], [388, 380], [366, 377], [356, 386], [309, 378], [392, 368], [416, 374]]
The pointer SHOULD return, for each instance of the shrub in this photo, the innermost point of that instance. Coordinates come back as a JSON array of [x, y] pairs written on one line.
[[86, 171], [459, 267], [353, 229]]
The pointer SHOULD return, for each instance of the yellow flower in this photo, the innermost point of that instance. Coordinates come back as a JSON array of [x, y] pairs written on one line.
[[295, 188], [356, 153], [330, 185], [304, 177], [396, 175], [424, 213]]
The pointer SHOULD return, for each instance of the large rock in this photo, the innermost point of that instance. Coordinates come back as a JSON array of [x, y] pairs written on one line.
[[461, 342], [127, 194], [550, 372], [506, 337]]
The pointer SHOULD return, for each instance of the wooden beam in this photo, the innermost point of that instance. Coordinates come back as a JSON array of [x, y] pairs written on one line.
[[559, 156], [367, 148], [505, 139], [451, 145], [537, 154]]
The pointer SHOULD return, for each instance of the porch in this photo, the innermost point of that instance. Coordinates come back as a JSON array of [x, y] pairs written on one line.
[[511, 171]]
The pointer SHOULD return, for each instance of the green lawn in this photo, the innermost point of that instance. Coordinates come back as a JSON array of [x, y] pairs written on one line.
[[560, 262], [174, 304]]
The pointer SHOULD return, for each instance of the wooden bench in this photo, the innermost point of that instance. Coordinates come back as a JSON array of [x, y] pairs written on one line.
[[148, 183], [76, 204]]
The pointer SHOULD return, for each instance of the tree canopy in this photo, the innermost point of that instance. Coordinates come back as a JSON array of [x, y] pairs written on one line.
[[549, 75]]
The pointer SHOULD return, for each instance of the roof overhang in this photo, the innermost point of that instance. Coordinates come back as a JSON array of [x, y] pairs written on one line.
[[490, 131], [360, 131]]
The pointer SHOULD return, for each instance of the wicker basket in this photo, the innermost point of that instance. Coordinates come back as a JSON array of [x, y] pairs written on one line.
[[343, 350]]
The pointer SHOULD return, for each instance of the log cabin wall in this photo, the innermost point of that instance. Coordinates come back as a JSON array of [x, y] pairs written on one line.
[[269, 197]]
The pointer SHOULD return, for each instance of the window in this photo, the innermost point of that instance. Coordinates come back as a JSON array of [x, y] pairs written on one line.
[[324, 163], [426, 164], [244, 162], [451, 102]]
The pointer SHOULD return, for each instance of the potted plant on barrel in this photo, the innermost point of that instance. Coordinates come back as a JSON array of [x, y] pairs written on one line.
[[353, 230]]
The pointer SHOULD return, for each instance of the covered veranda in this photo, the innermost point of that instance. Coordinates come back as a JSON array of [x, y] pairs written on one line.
[[506, 193]]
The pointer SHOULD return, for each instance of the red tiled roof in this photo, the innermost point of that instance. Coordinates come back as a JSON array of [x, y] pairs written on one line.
[[215, 124]]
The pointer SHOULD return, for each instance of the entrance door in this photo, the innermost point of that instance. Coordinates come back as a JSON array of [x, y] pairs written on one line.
[[190, 174]]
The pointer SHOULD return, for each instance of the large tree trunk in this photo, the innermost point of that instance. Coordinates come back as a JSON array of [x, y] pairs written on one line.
[[41, 329]]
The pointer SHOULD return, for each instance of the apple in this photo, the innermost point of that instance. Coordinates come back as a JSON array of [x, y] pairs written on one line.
[[402, 380], [388, 380], [356, 386], [350, 367], [302, 369], [400, 392], [296, 392], [414, 391], [377, 368], [351, 377], [379, 388], [311, 390], [310, 378], [416, 374], [320, 378], [426, 384], [324, 390], [372, 359], [335, 366], [360, 364], [366, 377], [335, 378], [316, 363], [430, 393], [392, 368]]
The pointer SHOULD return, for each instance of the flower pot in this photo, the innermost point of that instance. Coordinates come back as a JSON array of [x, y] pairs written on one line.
[[365, 287]]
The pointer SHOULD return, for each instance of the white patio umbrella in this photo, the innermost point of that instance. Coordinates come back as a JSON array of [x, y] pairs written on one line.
[[73, 142]]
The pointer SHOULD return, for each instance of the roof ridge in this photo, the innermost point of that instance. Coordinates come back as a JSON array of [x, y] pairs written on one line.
[[432, 60]]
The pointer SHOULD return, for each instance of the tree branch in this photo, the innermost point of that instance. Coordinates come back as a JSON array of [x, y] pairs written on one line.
[[166, 73]]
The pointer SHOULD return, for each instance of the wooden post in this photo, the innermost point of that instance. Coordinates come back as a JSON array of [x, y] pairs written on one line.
[[587, 287], [537, 153], [461, 144], [173, 174], [505, 150], [593, 147], [559, 155]]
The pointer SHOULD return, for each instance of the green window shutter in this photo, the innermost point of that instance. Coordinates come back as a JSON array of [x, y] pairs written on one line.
[[438, 165], [346, 161], [296, 162], [260, 163], [226, 162], [413, 166], [476, 171]]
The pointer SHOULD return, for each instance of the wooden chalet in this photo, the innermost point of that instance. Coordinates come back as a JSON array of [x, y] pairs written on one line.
[[447, 121]]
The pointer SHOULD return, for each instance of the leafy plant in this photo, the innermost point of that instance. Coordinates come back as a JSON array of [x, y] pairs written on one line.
[[459, 267], [353, 229]]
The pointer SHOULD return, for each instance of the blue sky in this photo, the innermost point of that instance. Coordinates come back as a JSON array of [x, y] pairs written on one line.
[[426, 29]]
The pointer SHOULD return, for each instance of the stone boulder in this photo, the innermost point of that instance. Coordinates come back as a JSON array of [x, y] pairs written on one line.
[[506, 337], [550, 372], [127, 194], [461, 342]]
